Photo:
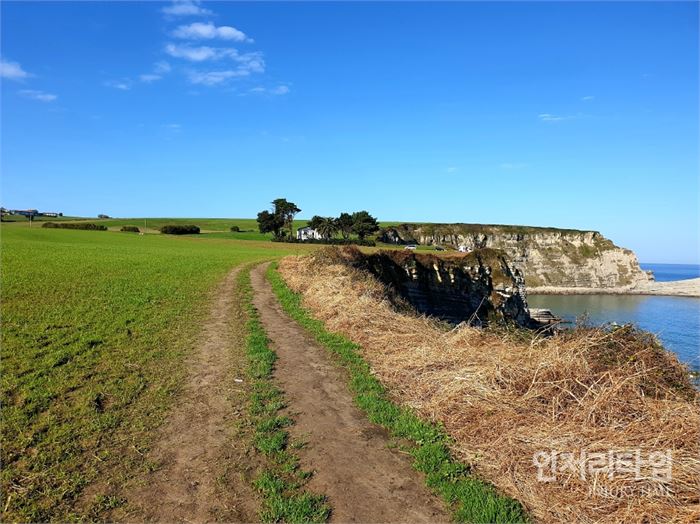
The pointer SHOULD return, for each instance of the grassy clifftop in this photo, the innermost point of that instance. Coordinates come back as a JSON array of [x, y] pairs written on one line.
[[462, 228]]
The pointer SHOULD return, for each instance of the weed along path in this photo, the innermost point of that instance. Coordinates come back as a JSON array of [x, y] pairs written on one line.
[[197, 446], [364, 480]]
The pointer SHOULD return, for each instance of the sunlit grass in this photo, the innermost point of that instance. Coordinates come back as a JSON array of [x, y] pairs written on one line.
[[95, 328]]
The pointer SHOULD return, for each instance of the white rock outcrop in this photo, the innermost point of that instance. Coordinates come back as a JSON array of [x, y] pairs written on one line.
[[548, 257]]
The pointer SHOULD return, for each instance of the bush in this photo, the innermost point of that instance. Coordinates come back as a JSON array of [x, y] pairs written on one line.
[[235, 229], [75, 225], [174, 229], [130, 229]]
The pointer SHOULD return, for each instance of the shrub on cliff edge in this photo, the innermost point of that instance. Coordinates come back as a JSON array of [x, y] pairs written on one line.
[[89, 226], [175, 229]]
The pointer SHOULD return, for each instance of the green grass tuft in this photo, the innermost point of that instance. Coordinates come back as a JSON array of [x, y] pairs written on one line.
[[280, 506]]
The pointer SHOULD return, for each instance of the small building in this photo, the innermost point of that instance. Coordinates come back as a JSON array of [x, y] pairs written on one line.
[[308, 233], [465, 249]]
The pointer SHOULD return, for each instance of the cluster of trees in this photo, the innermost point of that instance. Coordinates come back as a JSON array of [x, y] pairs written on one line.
[[361, 223], [279, 221]]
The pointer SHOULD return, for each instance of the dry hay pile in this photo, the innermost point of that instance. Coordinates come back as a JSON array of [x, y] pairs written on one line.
[[613, 400]]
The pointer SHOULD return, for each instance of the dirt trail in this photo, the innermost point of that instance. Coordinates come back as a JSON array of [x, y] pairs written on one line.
[[365, 481], [202, 459]]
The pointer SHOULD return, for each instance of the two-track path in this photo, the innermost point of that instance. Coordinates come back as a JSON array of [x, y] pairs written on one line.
[[204, 463], [201, 456], [365, 480]]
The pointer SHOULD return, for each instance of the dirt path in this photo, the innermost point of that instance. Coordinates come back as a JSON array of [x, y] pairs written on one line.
[[365, 481], [202, 459]]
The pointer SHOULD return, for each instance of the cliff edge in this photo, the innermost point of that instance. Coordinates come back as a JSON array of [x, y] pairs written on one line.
[[547, 257], [475, 288]]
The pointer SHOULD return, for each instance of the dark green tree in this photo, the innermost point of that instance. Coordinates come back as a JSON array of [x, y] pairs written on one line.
[[285, 211], [364, 224], [326, 227], [315, 222], [270, 223], [344, 223]]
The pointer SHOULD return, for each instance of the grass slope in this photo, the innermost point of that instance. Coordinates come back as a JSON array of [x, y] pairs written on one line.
[[95, 328], [471, 499]]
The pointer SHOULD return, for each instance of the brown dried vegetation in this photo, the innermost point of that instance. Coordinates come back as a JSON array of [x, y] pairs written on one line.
[[505, 395]]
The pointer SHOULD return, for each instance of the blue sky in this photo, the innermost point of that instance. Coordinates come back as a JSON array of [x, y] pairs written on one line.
[[555, 114]]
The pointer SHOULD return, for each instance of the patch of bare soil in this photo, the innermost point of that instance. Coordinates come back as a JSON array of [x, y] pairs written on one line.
[[364, 480], [202, 452]]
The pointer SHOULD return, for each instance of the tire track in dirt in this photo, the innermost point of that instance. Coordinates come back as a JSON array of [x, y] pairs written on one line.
[[204, 462], [364, 480]]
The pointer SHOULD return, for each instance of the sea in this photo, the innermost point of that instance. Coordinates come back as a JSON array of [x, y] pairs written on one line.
[[675, 320]]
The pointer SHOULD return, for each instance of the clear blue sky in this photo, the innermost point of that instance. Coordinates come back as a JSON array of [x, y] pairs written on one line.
[[554, 114]]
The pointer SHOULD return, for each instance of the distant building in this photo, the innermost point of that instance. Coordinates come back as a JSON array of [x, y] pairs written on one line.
[[464, 249], [29, 213], [308, 233]]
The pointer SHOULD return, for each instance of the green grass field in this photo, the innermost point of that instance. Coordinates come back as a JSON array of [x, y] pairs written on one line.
[[96, 325], [95, 329], [212, 227]]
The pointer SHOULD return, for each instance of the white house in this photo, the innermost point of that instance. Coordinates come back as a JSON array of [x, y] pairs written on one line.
[[308, 233]]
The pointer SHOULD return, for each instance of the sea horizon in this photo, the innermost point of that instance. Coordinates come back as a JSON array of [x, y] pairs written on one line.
[[666, 272]]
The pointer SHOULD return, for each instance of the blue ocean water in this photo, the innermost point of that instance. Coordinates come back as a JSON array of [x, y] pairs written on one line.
[[675, 320], [670, 272]]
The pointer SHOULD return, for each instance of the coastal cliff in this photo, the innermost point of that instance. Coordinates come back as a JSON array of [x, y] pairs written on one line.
[[475, 288], [547, 257]]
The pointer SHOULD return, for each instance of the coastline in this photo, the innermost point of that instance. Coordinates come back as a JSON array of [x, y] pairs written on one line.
[[677, 288]]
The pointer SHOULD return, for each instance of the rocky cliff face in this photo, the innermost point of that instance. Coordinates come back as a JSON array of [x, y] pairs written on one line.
[[545, 256], [476, 288]]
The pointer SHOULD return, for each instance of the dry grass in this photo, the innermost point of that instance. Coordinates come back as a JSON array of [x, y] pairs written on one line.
[[506, 396]]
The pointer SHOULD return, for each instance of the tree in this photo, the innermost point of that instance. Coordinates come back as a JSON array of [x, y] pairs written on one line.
[[270, 223], [326, 227], [285, 211], [364, 224], [344, 223], [315, 222], [281, 216]]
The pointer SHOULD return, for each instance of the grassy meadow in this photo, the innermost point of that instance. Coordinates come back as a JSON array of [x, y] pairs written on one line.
[[95, 329], [96, 325], [211, 227]]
